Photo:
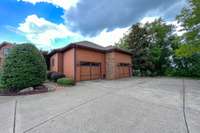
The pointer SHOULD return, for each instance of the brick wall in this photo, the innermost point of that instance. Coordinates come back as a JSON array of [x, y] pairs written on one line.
[[112, 61], [68, 63], [89, 56], [56, 62]]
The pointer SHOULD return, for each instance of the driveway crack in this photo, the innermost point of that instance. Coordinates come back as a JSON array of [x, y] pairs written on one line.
[[15, 112], [184, 109]]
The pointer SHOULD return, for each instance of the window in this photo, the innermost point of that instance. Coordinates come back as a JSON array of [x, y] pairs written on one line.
[[52, 62], [6, 51]]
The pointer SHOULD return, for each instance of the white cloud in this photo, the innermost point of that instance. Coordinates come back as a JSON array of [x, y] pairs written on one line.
[[109, 38], [42, 32], [65, 4], [148, 19]]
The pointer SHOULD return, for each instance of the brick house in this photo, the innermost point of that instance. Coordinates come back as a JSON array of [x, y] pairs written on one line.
[[88, 61], [4, 50]]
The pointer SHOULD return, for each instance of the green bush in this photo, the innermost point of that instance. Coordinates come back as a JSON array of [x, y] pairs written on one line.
[[65, 81], [56, 75], [23, 67]]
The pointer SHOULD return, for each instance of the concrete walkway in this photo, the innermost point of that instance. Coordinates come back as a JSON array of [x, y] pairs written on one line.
[[136, 105]]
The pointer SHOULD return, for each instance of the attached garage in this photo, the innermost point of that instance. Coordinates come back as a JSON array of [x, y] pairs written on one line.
[[90, 71], [88, 61]]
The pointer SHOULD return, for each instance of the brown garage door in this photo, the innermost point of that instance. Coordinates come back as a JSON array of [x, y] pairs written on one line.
[[90, 71], [123, 70]]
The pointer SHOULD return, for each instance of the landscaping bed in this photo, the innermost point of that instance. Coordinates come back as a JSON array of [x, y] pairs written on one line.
[[27, 91]]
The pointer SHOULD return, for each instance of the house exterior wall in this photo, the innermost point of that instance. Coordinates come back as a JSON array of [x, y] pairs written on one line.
[[68, 63], [122, 58], [112, 61], [2, 56], [110, 65], [56, 62], [60, 62], [89, 56]]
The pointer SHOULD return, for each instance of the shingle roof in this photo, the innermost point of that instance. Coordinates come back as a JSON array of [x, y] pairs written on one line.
[[116, 48], [89, 45]]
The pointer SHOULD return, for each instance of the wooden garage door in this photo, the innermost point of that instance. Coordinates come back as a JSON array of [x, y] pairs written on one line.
[[90, 71], [123, 70]]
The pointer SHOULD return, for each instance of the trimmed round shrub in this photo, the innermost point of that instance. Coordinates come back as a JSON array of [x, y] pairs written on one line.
[[23, 67], [65, 81], [56, 75], [49, 75]]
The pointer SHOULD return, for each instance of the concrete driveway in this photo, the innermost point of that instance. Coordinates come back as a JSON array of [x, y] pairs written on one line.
[[136, 105]]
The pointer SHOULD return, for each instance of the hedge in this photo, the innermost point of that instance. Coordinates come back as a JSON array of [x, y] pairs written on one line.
[[65, 81], [23, 67], [54, 76]]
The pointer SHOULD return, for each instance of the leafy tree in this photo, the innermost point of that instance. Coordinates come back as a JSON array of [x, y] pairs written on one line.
[[160, 44], [23, 67], [157, 51], [190, 20], [137, 41], [150, 46]]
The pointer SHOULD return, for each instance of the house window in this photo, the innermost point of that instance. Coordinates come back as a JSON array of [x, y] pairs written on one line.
[[6, 51], [52, 62]]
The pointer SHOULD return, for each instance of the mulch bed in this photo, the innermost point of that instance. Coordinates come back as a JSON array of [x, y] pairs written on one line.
[[36, 90]]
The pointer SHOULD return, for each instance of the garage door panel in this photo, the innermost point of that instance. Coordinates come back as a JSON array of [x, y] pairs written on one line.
[[90, 71], [85, 73], [95, 73], [123, 71]]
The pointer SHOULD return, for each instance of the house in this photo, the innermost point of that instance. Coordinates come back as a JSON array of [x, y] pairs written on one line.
[[4, 50], [88, 61]]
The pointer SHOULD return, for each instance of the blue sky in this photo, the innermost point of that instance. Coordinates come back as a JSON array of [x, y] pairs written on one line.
[[55, 23]]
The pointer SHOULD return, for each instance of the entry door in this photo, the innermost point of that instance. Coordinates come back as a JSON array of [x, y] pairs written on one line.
[[90, 71]]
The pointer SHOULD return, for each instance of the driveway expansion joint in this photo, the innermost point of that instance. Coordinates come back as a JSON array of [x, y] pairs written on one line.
[[184, 108], [15, 112]]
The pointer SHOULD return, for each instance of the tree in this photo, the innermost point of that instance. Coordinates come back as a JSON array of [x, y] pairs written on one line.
[[150, 46], [23, 67], [160, 45], [137, 41], [190, 21], [187, 55]]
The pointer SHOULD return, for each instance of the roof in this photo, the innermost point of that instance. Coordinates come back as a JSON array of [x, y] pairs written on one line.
[[111, 48], [4, 43], [89, 45]]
